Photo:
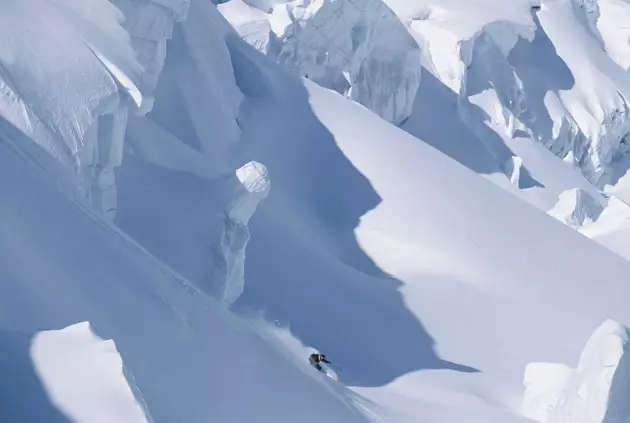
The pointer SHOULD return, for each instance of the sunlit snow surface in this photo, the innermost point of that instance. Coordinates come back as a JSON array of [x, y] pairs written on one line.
[[495, 73], [430, 288]]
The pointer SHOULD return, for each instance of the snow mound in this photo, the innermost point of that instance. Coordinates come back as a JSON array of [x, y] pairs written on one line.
[[357, 47], [70, 372], [597, 391], [84, 376]]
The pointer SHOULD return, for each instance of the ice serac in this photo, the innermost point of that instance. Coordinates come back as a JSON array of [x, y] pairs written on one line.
[[597, 391], [227, 274], [519, 67], [576, 207], [69, 84], [150, 24], [359, 48]]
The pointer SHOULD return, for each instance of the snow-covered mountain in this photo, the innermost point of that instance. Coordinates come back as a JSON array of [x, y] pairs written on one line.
[[196, 196]]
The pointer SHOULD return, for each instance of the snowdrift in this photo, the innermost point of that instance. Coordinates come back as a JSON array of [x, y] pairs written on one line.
[[82, 375]]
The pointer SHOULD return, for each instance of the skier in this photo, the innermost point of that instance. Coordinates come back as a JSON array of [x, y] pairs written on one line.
[[316, 358]]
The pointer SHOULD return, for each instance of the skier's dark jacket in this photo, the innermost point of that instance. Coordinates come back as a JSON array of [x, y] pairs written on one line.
[[317, 358]]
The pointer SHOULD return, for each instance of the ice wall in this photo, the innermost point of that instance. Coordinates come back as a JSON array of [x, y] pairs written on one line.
[[68, 84], [227, 267], [357, 47], [79, 109], [597, 391]]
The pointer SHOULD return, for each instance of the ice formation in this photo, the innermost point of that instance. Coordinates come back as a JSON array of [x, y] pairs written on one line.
[[521, 69], [576, 207], [227, 278], [74, 108], [359, 48], [596, 392], [512, 65], [120, 54]]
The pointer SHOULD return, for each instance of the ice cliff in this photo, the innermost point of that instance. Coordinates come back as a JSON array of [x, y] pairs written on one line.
[[75, 108], [357, 47], [597, 391], [122, 73]]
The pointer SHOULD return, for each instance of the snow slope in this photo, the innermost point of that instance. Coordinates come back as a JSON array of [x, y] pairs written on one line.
[[429, 287], [471, 293], [191, 360], [498, 81]]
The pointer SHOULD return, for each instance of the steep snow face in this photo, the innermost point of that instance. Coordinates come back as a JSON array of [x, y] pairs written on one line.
[[191, 359], [612, 24], [359, 48], [390, 233], [511, 67], [197, 99], [597, 391]]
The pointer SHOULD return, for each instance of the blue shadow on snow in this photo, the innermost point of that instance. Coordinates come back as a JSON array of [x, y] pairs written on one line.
[[329, 293]]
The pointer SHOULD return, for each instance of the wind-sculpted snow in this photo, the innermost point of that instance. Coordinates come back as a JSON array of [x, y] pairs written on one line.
[[85, 377], [597, 391], [359, 48]]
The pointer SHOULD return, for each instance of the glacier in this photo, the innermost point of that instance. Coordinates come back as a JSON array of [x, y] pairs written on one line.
[[512, 69], [385, 242]]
